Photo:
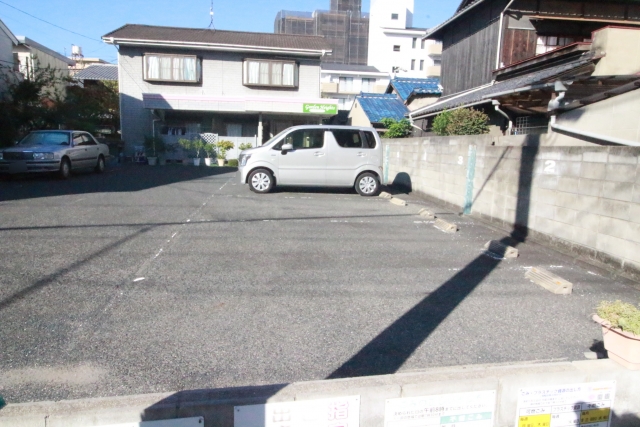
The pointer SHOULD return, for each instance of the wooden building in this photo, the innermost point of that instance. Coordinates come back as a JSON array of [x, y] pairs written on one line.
[[519, 30]]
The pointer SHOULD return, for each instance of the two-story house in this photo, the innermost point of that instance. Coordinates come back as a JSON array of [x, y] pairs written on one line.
[[181, 82], [526, 61], [32, 55], [343, 82], [8, 63]]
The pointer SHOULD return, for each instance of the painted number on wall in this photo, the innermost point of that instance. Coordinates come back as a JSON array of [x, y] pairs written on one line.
[[460, 160], [549, 167]]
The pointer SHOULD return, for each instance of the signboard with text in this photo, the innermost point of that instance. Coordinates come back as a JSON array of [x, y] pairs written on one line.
[[574, 405], [333, 412], [320, 108], [473, 409]]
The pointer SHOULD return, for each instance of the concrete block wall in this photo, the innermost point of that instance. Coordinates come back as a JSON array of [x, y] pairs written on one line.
[[584, 199]]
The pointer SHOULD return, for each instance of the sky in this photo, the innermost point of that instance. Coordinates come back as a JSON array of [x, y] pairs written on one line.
[[84, 22]]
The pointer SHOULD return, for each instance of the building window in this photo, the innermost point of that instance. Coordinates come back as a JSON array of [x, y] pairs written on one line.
[[368, 85], [414, 42], [396, 48], [413, 64], [259, 72], [422, 43], [394, 16], [172, 68], [548, 43], [421, 64], [346, 84]]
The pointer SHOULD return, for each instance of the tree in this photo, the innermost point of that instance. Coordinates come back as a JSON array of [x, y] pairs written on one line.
[[463, 121], [396, 129], [32, 103]]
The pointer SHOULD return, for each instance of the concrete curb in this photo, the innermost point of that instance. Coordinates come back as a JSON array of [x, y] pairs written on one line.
[[551, 282], [398, 202], [217, 405]]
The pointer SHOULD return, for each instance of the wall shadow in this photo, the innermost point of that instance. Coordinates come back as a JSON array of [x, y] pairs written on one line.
[[389, 350], [127, 177], [402, 182]]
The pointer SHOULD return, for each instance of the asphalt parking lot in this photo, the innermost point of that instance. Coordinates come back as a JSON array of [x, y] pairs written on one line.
[[152, 279]]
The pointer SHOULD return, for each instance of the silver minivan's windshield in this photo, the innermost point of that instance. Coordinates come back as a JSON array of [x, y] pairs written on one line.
[[276, 137], [46, 138]]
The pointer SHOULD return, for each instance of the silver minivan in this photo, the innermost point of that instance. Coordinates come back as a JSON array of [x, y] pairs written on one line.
[[316, 155]]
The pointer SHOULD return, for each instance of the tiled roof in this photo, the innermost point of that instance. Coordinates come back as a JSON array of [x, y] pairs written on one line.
[[98, 72], [405, 86], [205, 36], [379, 106], [473, 96], [349, 67]]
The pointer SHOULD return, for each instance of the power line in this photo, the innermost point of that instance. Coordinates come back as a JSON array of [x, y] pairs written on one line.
[[47, 22]]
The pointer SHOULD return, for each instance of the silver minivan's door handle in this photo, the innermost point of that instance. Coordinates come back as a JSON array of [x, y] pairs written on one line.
[[362, 154], [318, 154]]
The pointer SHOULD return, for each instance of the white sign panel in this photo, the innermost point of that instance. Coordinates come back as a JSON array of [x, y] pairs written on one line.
[[333, 412], [180, 422], [474, 409], [574, 405]]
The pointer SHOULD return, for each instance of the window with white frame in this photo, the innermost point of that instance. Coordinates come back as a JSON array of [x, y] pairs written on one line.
[[396, 48], [261, 72], [172, 68], [368, 85], [422, 43], [394, 16], [414, 42], [421, 64], [413, 64], [548, 43], [346, 84]]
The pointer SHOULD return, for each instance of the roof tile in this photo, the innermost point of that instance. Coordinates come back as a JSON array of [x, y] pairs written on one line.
[[379, 106]]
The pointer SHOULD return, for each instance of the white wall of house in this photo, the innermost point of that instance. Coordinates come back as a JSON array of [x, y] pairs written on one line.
[[393, 43], [7, 43], [221, 90], [33, 55]]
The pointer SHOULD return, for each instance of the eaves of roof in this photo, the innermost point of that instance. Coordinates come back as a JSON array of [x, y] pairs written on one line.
[[484, 94], [207, 39], [433, 33]]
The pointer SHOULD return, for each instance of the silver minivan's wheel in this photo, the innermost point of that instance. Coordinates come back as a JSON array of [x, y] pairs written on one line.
[[368, 184], [261, 181], [65, 169], [100, 165]]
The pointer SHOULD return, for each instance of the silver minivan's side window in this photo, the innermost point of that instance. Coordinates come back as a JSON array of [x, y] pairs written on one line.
[[303, 139], [348, 138], [369, 139]]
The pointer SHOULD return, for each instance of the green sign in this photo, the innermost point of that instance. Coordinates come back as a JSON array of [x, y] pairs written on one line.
[[320, 108]]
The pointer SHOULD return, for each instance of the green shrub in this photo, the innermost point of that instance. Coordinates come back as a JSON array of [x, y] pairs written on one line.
[[621, 315], [245, 146], [396, 129], [233, 163], [153, 146], [441, 122], [464, 121], [223, 147]]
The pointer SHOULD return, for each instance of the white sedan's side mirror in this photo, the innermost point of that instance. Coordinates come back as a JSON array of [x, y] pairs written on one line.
[[287, 147]]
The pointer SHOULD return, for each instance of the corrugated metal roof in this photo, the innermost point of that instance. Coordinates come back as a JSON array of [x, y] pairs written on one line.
[[205, 36], [474, 95], [378, 106], [98, 72], [405, 86]]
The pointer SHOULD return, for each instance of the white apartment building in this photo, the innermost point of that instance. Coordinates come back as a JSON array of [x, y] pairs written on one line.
[[343, 82], [395, 46]]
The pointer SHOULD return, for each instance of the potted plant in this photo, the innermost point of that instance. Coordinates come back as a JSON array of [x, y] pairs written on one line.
[[245, 146], [198, 146], [223, 147], [210, 151], [153, 147], [621, 332]]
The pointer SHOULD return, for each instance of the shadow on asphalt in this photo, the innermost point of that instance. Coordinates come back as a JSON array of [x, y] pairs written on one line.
[[389, 350], [126, 177]]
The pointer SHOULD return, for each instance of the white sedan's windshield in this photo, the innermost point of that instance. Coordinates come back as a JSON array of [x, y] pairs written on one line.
[[46, 138]]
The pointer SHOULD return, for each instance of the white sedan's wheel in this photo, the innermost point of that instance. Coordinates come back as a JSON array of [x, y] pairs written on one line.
[[261, 181], [367, 184]]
